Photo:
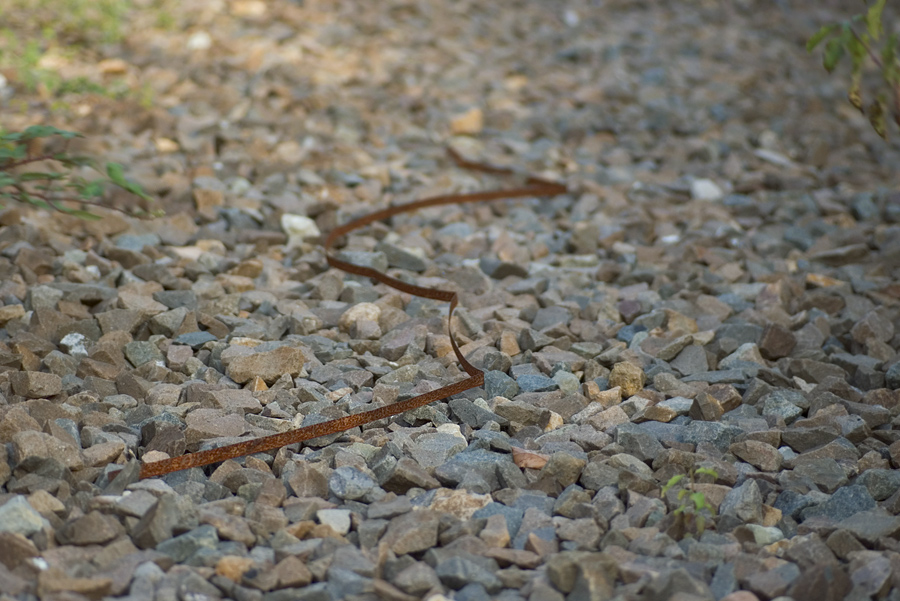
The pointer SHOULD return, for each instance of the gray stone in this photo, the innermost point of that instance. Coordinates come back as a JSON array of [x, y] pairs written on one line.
[[844, 503], [412, 532], [871, 526], [350, 484], [457, 572], [536, 383], [881, 483], [195, 340], [19, 517], [473, 415], [744, 502], [637, 441], [184, 546], [825, 472], [497, 383]]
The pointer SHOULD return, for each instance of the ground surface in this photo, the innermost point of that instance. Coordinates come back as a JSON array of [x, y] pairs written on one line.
[[719, 290]]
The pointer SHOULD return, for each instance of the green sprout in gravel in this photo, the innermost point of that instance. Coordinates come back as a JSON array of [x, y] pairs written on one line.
[[693, 509], [51, 180], [871, 43]]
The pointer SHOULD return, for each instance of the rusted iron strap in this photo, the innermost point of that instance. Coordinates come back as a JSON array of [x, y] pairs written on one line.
[[533, 187]]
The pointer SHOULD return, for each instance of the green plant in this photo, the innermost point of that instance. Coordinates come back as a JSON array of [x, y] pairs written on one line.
[[882, 50], [693, 508], [50, 180]]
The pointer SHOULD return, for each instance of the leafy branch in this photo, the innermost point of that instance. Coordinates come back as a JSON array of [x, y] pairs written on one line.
[[883, 51], [50, 188], [693, 508]]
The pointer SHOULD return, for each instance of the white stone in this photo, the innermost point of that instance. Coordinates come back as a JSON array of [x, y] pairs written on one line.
[[452, 429], [338, 519], [764, 535], [199, 41], [357, 313], [706, 189], [74, 344], [298, 228]]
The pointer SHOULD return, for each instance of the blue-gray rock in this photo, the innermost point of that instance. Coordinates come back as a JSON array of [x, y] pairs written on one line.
[[184, 546], [195, 339], [567, 381], [344, 583], [139, 352], [744, 502], [791, 503], [825, 472], [350, 484], [718, 434], [727, 376], [137, 242], [548, 317], [536, 383], [513, 515], [482, 463], [872, 526], [845, 502], [457, 572], [474, 591], [373, 260], [892, 376], [638, 441], [881, 483], [474, 416], [435, 448], [777, 404], [724, 581], [691, 360], [497, 383], [401, 258], [177, 298]]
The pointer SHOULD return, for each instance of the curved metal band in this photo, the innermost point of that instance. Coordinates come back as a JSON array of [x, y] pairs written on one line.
[[534, 187]]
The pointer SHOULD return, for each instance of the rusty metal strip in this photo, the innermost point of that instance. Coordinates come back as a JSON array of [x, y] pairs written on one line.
[[534, 187]]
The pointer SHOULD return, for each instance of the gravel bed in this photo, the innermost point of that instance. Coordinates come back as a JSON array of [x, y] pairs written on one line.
[[720, 289]]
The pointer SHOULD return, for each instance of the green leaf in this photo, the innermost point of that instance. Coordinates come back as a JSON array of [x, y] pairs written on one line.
[[699, 500], [45, 131], [889, 70], [16, 153], [92, 189], [706, 471], [672, 482], [32, 176], [834, 51], [80, 213], [820, 35], [873, 19], [117, 174], [701, 524]]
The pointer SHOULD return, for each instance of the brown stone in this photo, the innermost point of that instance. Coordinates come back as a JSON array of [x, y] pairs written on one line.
[[706, 408], [93, 528], [628, 376], [822, 583], [269, 365], [758, 454], [35, 384], [37, 444], [776, 342], [54, 581]]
